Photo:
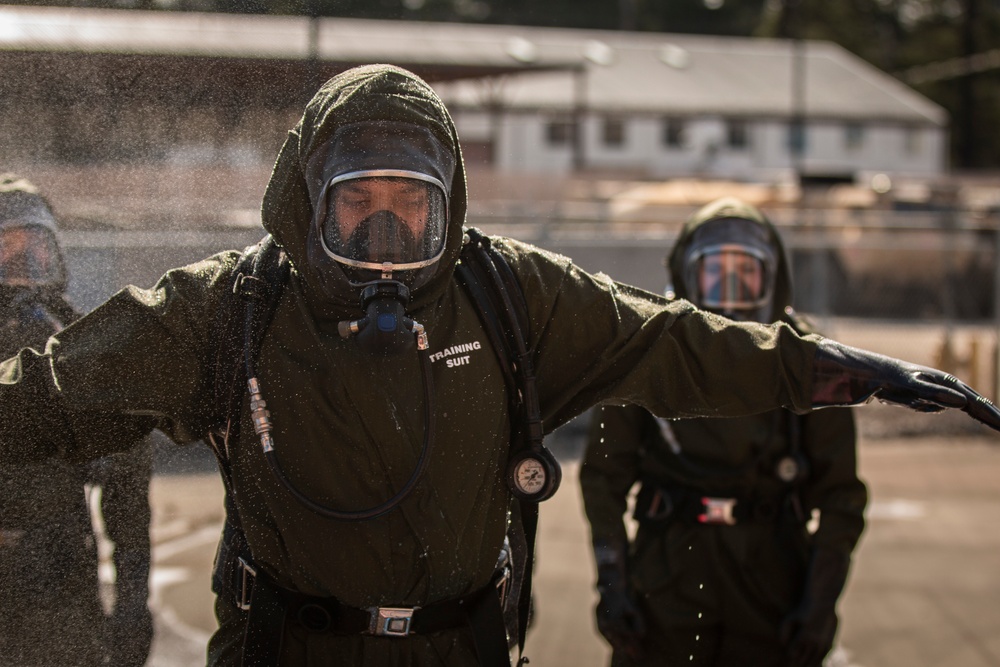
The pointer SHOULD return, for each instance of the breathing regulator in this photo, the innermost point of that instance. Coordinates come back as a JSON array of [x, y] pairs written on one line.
[[385, 328]]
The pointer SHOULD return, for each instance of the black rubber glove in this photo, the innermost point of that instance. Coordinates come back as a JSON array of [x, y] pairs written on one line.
[[618, 617], [845, 375], [808, 631]]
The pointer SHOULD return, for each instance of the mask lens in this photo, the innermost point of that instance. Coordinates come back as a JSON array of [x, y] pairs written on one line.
[[378, 220], [730, 278], [28, 257]]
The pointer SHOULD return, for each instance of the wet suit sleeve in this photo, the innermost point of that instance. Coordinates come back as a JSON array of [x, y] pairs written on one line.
[[598, 341], [610, 468], [141, 360]]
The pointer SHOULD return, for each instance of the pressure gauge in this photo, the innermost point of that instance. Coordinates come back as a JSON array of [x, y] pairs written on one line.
[[534, 475], [792, 468], [787, 469], [529, 476]]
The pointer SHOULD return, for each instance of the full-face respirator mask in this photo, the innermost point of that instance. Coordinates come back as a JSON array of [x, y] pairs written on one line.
[[380, 199], [730, 269], [30, 260], [385, 227]]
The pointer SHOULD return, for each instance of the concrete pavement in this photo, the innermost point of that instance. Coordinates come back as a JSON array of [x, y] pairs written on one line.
[[922, 593]]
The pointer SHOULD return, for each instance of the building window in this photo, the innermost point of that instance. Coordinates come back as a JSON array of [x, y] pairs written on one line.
[[854, 136], [559, 132], [911, 139], [673, 132], [737, 134], [613, 132], [797, 138]]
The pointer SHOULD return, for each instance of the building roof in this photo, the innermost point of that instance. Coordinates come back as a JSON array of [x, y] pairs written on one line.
[[625, 71], [437, 51], [697, 74]]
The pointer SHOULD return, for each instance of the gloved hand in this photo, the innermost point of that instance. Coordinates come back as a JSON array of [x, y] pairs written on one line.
[[844, 375], [808, 631], [618, 617]]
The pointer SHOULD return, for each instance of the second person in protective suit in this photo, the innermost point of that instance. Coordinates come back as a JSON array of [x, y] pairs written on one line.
[[48, 557], [723, 570]]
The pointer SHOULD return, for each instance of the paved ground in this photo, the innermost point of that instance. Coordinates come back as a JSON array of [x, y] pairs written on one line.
[[923, 589]]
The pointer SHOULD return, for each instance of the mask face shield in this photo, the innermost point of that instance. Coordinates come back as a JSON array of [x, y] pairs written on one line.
[[730, 278], [29, 257], [383, 221]]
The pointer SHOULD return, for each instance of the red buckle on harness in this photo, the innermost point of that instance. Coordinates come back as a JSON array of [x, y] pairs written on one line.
[[718, 511]]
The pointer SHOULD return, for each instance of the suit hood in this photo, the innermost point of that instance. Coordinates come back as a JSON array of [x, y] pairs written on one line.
[[403, 124], [22, 205]]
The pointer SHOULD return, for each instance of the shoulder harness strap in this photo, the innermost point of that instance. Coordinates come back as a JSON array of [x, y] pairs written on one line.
[[259, 279], [241, 323], [502, 308]]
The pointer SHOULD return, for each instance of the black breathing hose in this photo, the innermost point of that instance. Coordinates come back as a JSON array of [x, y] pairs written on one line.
[[262, 425]]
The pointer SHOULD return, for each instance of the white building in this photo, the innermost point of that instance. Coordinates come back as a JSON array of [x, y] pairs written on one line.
[[648, 105], [664, 105]]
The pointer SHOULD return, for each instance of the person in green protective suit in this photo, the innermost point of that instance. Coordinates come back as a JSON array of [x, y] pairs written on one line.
[[722, 569], [364, 550], [48, 557]]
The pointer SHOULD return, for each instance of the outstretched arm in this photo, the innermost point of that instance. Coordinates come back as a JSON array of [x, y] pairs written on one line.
[[600, 341], [143, 359]]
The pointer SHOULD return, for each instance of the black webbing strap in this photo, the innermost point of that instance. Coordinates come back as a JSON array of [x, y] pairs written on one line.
[[259, 277], [472, 279], [265, 626], [500, 302], [529, 521], [228, 385]]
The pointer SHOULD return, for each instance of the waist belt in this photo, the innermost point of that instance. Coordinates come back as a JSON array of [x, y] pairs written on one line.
[[270, 606], [658, 503]]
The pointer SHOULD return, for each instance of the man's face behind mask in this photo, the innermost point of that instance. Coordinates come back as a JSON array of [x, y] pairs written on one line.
[[731, 279], [372, 221]]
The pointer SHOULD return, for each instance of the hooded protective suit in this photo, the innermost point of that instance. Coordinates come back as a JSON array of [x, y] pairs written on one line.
[[718, 594], [349, 425], [48, 556]]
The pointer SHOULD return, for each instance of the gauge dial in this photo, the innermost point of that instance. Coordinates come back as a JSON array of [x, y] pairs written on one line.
[[529, 476]]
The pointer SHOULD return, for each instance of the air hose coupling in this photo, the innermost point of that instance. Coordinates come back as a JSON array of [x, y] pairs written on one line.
[[260, 416]]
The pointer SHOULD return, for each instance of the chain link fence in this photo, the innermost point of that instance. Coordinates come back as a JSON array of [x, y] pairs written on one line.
[[919, 285]]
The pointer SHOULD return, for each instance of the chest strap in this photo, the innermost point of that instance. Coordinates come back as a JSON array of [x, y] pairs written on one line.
[[656, 503]]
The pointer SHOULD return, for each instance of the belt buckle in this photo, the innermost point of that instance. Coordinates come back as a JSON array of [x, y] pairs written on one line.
[[391, 621], [718, 511], [247, 577]]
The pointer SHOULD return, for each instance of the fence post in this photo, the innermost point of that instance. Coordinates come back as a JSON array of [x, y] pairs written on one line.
[[996, 312]]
